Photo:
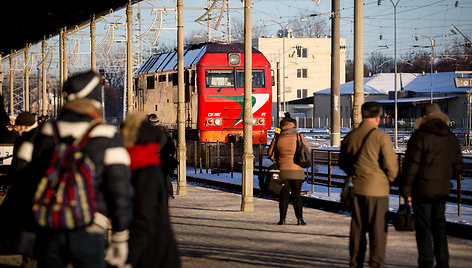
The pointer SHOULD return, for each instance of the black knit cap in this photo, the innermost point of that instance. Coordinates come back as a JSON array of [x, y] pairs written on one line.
[[83, 85], [371, 109], [25, 119]]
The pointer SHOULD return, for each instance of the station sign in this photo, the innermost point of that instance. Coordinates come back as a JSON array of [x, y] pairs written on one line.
[[463, 82]]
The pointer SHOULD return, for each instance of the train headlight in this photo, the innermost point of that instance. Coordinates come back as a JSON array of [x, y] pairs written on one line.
[[234, 59], [210, 122], [218, 122], [261, 121]]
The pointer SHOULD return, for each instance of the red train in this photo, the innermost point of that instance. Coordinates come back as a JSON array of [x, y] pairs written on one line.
[[214, 91]]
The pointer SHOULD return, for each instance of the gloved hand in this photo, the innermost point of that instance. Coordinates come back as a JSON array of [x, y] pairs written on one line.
[[117, 251]]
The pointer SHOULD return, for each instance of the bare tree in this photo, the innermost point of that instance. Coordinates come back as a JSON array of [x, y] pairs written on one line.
[[237, 30], [313, 26], [379, 63]]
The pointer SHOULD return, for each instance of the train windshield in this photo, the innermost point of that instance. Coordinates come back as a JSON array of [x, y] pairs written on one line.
[[219, 78], [258, 80]]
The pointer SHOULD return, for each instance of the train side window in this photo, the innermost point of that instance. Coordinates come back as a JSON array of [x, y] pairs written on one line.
[[173, 77], [192, 78], [150, 82], [162, 78], [219, 78]]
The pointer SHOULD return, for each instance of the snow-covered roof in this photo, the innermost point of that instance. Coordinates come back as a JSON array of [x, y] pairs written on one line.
[[381, 84]]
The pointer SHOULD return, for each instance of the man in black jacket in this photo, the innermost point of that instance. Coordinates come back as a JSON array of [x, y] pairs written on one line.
[[432, 159]]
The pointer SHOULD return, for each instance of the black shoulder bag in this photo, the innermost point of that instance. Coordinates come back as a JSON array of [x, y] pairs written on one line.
[[404, 220], [347, 194], [273, 183], [302, 155]]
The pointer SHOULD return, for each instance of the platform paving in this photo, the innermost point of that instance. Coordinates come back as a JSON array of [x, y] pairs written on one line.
[[211, 231]]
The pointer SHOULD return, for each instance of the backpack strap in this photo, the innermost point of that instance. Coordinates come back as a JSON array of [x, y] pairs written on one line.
[[81, 140]]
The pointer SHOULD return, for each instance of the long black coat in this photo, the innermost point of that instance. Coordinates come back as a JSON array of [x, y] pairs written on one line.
[[152, 242], [432, 159]]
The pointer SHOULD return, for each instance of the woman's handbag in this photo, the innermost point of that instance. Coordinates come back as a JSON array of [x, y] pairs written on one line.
[[302, 155], [273, 181], [404, 220]]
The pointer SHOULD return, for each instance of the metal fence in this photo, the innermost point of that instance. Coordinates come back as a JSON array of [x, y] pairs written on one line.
[[216, 158]]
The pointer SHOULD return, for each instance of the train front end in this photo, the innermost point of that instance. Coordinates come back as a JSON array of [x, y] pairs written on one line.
[[221, 94]]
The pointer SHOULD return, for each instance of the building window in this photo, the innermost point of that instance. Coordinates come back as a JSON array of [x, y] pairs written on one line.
[[302, 73], [302, 52], [302, 93]]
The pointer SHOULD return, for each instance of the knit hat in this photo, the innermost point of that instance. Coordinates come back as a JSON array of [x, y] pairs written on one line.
[[83, 85], [25, 119], [430, 109]]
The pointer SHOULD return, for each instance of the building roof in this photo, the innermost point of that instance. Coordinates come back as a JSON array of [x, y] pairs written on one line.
[[381, 84]]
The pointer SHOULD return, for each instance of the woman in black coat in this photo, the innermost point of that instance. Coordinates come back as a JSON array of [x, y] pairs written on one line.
[[151, 242]]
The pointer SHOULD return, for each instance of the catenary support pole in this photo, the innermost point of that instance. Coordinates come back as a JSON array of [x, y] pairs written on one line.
[[358, 62], [12, 75], [181, 146], [247, 204], [129, 56], [26, 82], [93, 54], [43, 76], [335, 74]]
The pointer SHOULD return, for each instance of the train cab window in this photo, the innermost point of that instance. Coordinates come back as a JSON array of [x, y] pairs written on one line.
[[219, 78], [258, 80]]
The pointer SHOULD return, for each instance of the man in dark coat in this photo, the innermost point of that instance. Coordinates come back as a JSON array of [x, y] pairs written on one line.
[[432, 159]]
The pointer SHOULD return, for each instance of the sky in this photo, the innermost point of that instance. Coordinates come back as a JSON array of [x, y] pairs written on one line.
[[422, 17]]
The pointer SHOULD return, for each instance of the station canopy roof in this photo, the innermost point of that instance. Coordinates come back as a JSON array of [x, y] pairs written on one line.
[[29, 21]]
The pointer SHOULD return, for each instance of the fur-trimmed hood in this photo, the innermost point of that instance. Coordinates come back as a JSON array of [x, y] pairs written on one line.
[[130, 128], [436, 123], [432, 116]]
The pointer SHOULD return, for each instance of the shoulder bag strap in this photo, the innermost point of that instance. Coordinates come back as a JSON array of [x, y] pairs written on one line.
[[276, 137], [356, 157]]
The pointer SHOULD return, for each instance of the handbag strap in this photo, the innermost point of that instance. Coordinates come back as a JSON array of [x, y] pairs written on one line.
[[276, 137]]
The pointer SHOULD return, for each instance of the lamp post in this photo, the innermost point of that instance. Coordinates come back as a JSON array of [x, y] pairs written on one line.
[[395, 131], [432, 41], [284, 30]]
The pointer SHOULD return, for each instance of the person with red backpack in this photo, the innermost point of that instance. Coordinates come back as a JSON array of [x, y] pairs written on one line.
[[76, 200]]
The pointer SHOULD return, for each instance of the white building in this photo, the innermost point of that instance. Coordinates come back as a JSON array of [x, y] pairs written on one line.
[[307, 65]]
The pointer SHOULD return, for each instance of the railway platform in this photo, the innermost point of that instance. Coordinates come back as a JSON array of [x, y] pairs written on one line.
[[211, 231]]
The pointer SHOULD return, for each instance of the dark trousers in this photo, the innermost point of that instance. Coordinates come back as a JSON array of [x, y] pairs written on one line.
[[56, 249], [368, 216], [430, 222], [294, 186]]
